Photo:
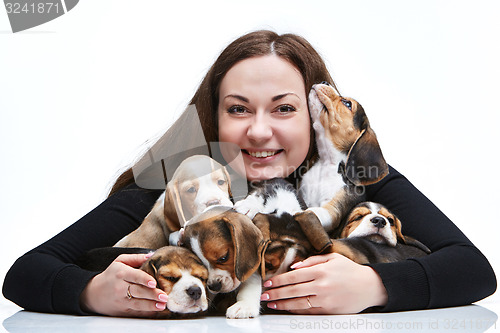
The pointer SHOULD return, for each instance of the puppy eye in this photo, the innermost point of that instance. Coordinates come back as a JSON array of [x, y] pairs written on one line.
[[356, 218], [172, 279], [192, 189], [347, 103], [391, 220], [221, 182], [224, 258]]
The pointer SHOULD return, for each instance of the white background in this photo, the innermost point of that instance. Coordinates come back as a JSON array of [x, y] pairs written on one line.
[[81, 95]]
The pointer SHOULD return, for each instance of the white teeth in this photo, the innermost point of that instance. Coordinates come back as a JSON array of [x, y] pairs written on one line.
[[262, 153]]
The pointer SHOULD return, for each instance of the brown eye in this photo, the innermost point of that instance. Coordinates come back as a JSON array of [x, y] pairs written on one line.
[[223, 259], [237, 109], [391, 220], [347, 103]]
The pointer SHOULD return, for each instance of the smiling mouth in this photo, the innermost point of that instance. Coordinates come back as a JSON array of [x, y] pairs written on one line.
[[262, 154]]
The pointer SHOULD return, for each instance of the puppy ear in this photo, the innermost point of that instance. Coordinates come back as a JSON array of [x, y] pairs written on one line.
[[150, 267], [248, 245], [365, 163], [314, 231], [173, 207], [228, 179], [413, 242], [262, 222]]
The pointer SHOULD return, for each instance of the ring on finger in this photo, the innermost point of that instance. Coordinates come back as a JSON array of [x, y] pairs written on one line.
[[129, 295], [308, 302]]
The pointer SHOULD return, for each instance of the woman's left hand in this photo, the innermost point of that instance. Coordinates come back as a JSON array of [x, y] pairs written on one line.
[[326, 284]]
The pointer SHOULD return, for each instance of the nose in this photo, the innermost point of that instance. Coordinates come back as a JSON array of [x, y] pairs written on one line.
[[378, 221], [194, 292], [260, 129], [212, 202], [215, 286]]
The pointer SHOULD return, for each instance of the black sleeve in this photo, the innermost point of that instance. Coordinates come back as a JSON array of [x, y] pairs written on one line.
[[46, 279], [455, 273]]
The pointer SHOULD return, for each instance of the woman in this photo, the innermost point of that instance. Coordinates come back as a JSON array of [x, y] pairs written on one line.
[[254, 96]]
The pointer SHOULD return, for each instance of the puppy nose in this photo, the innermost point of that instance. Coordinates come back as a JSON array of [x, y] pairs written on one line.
[[378, 221], [325, 83], [194, 292], [213, 203], [215, 287]]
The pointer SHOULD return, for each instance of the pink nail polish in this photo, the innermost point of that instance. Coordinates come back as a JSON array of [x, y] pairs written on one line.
[[264, 297], [271, 305], [163, 298], [149, 255], [297, 264], [161, 306], [268, 284], [151, 284]]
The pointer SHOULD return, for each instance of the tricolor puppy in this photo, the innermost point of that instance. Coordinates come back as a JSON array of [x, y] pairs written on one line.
[[349, 156], [372, 234], [275, 207], [183, 277], [176, 270], [230, 246], [199, 182]]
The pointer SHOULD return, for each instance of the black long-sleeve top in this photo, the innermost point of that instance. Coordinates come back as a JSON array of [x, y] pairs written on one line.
[[456, 273]]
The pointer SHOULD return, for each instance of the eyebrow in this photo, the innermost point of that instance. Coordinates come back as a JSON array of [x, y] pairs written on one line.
[[274, 99]]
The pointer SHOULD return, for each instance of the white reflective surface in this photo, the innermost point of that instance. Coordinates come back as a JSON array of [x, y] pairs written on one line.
[[472, 318]]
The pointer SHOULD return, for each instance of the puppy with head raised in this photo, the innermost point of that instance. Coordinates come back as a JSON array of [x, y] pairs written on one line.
[[199, 182], [349, 156], [230, 246]]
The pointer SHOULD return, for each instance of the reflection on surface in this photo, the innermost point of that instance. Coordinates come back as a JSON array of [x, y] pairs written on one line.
[[472, 318]]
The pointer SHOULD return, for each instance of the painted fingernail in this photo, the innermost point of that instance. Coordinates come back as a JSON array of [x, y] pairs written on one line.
[[163, 298], [149, 255], [161, 306], [297, 264], [268, 283], [271, 305], [264, 297], [152, 284]]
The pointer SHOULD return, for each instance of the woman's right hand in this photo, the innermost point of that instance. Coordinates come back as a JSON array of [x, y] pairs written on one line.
[[107, 292]]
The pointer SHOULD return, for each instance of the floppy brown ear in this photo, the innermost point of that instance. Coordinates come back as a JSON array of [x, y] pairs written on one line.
[[365, 163], [314, 231], [413, 242], [150, 267], [173, 207], [248, 243], [262, 223]]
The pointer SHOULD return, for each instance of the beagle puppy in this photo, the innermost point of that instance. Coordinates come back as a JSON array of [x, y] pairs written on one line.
[[230, 246], [349, 156], [372, 234], [272, 196], [176, 270], [199, 182]]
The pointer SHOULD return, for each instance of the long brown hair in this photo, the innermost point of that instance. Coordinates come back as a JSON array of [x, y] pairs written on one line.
[[290, 47]]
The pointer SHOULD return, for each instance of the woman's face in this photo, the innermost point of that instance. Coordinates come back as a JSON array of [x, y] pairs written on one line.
[[263, 110]]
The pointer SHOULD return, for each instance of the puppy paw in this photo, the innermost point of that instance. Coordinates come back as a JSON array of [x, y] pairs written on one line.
[[249, 206], [242, 310]]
